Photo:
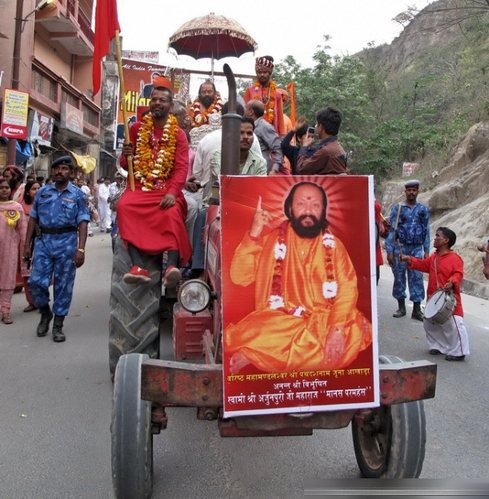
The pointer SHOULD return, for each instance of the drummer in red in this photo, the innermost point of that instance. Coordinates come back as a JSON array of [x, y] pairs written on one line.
[[152, 217], [449, 338]]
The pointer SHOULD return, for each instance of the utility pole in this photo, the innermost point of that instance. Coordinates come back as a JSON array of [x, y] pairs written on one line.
[[11, 151]]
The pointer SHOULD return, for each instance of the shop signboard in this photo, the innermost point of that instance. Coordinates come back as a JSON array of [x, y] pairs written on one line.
[[14, 114]]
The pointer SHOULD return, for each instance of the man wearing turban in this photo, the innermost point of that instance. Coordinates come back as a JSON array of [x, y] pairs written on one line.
[[265, 89]]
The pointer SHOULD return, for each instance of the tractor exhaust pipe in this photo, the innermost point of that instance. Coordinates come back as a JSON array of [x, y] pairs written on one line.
[[231, 129]]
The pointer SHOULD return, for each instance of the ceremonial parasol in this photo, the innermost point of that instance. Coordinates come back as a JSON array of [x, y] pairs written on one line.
[[212, 36]]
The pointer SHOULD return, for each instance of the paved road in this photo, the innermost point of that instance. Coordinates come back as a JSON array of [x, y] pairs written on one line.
[[55, 402]]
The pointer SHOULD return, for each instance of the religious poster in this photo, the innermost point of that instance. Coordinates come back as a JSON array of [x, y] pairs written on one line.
[[14, 114], [299, 294], [41, 128], [138, 83]]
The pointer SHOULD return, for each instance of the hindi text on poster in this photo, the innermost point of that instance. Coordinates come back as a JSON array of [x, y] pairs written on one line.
[[299, 303]]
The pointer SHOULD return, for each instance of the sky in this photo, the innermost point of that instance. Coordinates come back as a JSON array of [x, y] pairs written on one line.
[[280, 28]]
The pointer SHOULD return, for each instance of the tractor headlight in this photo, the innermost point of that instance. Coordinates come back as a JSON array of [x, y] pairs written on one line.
[[195, 296]]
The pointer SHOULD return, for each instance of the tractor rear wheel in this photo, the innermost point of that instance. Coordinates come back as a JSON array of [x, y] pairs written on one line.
[[132, 438], [134, 324], [392, 443]]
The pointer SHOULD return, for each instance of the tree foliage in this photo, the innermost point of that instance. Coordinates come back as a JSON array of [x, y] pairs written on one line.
[[389, 118]]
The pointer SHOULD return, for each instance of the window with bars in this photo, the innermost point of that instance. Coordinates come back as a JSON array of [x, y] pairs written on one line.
[[89, 115], [69, 98], [43, 84]]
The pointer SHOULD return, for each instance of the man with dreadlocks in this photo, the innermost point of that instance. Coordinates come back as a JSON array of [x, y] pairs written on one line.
[[265, 89], [306, 292]]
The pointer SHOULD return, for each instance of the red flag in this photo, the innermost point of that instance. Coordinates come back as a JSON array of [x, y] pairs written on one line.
[[106, 24], [291, 89]]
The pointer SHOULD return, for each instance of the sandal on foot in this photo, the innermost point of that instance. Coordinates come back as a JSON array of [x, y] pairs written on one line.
[[6, 319]]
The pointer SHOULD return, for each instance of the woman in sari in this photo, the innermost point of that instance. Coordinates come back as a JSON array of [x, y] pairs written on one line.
[[27, 201], [12, 237]]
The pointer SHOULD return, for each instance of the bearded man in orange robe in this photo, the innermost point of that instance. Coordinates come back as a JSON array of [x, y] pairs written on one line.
[[306, 292]]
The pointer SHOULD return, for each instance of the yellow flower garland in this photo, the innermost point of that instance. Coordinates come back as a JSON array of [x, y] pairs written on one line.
[[154, 159], [199, 118], [270, 103]]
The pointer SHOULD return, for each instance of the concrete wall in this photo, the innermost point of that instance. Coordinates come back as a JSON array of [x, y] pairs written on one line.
[[82, 76], [56, 59], [7, 28]]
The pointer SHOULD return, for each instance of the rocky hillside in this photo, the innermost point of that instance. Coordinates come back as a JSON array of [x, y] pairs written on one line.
[[419, 35], [460, 201], [458, 192]]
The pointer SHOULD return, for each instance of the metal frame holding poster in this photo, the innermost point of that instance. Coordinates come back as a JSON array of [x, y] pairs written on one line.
[[299, 294]]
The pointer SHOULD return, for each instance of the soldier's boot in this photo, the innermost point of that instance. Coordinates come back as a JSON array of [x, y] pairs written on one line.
[[58, 334], [46, 316], [417, 314], [401, 311]]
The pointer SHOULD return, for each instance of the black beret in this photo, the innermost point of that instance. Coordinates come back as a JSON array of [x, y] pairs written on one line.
[[412, 183], [64, 160]]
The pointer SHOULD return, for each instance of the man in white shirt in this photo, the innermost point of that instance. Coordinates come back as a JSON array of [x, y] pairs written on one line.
[[206, 149], [103, 206]]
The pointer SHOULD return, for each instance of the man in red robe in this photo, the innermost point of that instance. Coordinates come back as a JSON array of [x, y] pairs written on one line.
[[265, 89], [305, 292], [152, 217], [445, 271]]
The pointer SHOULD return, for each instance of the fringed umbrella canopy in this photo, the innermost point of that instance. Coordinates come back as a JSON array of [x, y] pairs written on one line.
[[212, 36]]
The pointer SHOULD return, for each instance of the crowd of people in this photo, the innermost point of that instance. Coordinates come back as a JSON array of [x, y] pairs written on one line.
[[43, 234], [176, 156]]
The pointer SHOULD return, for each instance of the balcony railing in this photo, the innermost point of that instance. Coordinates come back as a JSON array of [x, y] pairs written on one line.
[[85, 25]]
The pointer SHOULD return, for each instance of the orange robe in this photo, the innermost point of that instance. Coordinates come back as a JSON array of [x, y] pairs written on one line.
[[278, 110], [275, 340]]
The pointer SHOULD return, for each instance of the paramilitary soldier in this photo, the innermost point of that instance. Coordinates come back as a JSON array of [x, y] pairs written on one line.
[[60, 212], [409, 235]]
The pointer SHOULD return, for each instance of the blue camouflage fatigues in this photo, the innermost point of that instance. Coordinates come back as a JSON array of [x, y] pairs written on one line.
[[414, 235], [53, 253]]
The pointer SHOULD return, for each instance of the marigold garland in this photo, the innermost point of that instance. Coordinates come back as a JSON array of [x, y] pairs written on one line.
[[12, 216], [154, 158], [198, 118], [268, 101], [329, 287]]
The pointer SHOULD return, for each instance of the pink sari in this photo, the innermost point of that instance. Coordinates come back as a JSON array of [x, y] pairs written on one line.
[[13, 227]]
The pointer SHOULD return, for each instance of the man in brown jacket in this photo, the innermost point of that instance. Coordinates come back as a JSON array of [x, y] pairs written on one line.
[[328, 158]]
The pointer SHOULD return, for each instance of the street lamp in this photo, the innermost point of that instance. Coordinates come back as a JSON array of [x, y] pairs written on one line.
[[42, 5], [19, 28]]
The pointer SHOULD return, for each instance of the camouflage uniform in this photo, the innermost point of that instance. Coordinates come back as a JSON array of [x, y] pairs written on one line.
[[414, 236], [53, 253]]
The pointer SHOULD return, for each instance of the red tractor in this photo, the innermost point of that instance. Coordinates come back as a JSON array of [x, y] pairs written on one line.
[[389, 440]]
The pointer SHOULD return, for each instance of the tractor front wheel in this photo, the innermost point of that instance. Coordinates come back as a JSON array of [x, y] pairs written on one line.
[[132, 438], [390, 443]]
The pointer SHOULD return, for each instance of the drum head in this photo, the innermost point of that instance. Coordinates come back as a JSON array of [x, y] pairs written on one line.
[[435, 304]]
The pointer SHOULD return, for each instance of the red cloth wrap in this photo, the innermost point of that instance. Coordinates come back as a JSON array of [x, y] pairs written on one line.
[[141, 220]]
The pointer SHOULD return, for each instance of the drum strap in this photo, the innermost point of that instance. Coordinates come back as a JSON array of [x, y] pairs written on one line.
[[436, 273]]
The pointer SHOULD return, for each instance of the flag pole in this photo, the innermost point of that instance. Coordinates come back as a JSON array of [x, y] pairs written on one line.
[[130, 170]]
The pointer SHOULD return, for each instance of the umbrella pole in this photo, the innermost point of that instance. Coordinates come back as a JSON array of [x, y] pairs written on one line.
[[130, 171]]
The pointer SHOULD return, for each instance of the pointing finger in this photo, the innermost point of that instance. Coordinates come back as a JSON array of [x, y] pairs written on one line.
[[258, 206]]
